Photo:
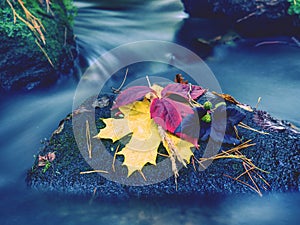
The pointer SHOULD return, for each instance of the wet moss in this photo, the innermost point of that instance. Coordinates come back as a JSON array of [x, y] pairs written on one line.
[[18, 43]]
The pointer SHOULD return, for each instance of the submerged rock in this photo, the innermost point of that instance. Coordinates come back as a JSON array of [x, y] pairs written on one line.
[[277, 153], [250, 17], [23, 64]]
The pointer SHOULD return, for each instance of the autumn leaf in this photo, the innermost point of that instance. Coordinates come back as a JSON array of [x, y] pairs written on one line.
[[231, 99], [165, 111], [152, 116], [44, 159], [135, 93], [145, 140], [130, 95], [171, 116], [142, 147], [183, 90], [115, 129], [180, 79], [168, 113]]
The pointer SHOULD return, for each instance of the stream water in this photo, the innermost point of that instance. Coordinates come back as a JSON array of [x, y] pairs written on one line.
[[244, 71]]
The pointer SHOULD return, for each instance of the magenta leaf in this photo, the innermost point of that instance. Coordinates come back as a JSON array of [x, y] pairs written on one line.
[[168, 113], [183, 90], [131, 94]]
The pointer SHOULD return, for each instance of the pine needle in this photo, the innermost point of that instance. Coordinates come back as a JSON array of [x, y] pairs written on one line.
[[262, 178], [33, 23], [45, 53], [225, 154], [258, 101], [164, 155], [118, 90], [244, 183], [193, 162], [94, 171], [114, 159], [88, 138], [249, 167], [142, 174], [250, 128], [251, 178], [93, 196], [148, 81], [236, 132]]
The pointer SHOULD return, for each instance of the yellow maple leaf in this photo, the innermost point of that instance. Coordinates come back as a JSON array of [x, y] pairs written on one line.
[[143, 145], [115, 129]]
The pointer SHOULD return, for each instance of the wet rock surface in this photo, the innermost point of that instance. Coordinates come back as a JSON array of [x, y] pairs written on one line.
[[277, 153], [251, 18]]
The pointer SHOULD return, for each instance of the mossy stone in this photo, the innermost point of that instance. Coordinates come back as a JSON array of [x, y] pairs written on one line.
[[23, 64]]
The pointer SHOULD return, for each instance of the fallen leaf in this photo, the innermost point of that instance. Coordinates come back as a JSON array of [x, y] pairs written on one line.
[[115, 129], [180, 79], [130, 95], [43, 159], [168, 113], [231, 99], [142, 147], [184, 90], [145, 140]]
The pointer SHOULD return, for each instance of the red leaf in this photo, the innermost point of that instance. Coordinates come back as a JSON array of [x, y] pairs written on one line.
[[183, 90], [131, 94], [168, 113]]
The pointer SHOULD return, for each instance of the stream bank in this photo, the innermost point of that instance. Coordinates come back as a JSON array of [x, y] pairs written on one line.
[[37, 44]]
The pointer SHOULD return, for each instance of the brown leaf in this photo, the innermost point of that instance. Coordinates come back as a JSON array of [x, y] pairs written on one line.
[[43, 159], [180, 79], [231, 99]]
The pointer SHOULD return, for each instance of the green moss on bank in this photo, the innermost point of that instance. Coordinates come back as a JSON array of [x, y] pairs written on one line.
[[294, 8], [19, 43]]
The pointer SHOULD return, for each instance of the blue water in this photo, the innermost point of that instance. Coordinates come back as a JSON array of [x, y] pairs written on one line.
[[246, 72]]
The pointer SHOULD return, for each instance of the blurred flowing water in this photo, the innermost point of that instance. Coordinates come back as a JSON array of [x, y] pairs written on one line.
[[244, 71]]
